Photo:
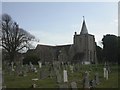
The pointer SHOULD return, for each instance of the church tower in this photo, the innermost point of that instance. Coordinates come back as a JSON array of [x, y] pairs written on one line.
[[85, 47]]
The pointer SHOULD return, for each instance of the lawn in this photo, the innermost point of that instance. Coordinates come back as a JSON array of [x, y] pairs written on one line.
[[15, 81]]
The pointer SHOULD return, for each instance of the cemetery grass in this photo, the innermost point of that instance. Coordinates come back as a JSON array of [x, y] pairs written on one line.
[[15, 81]]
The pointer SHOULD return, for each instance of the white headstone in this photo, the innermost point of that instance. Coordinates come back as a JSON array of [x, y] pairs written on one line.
[[12, 63], [35, 70], [106, 74], [65, 77], [104, 69], [40, 64], [86, 62]]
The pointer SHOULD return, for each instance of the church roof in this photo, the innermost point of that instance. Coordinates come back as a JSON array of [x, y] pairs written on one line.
[[84, 28]]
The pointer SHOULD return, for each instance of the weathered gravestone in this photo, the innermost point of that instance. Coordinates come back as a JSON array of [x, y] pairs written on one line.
[[104, 70], [71, 68], [74, 85], [51, 71], [44, 74], [26, 68], [12, 65], [96, 78], [59, 77], [40, 64], [35, 70], [106, 74], [63, 86], [31, 66], [65, 76], [92, 83], [86, 80]]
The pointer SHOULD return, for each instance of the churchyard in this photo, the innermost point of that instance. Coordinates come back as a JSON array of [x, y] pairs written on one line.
[[60, 75]]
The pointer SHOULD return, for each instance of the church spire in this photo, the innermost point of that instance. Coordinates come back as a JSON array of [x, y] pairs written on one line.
[[84, 28]]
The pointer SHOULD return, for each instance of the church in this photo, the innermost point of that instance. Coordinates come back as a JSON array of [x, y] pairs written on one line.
[[83, 49]]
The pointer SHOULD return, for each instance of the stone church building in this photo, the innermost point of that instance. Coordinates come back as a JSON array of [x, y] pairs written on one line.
[[83, 49]]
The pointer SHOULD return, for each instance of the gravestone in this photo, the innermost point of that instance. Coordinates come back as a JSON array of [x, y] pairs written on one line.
[[40, 64], [63, 86], [71, 68], [108, 68], [65, 76], [12, 64], [73, 85], [35, 70], [86, 80], [92, 83], [96, 78], [27, 68], [44, 74], [59, 77], [31, 66], [106, 74], [51, 71], [104, 70], [33, 86]]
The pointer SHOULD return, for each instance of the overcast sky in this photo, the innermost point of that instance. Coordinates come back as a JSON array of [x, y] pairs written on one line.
[[55, 23]]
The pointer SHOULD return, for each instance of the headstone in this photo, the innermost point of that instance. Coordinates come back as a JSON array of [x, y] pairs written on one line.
[[92, 83], [106, 74], [12, 63], [63, 86], [31, 66], [71, 68], [18, 69], [59, 77], [65, 77], [51, 71], [44, 74], [35, 70], [27, 68], [86, 80], [104, 69], [40, 64], [108, 68], [33, 86], [105, 64], [96, 79], [73, 85]]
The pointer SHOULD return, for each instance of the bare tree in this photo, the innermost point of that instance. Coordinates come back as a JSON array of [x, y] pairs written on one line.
[[13, 38]]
